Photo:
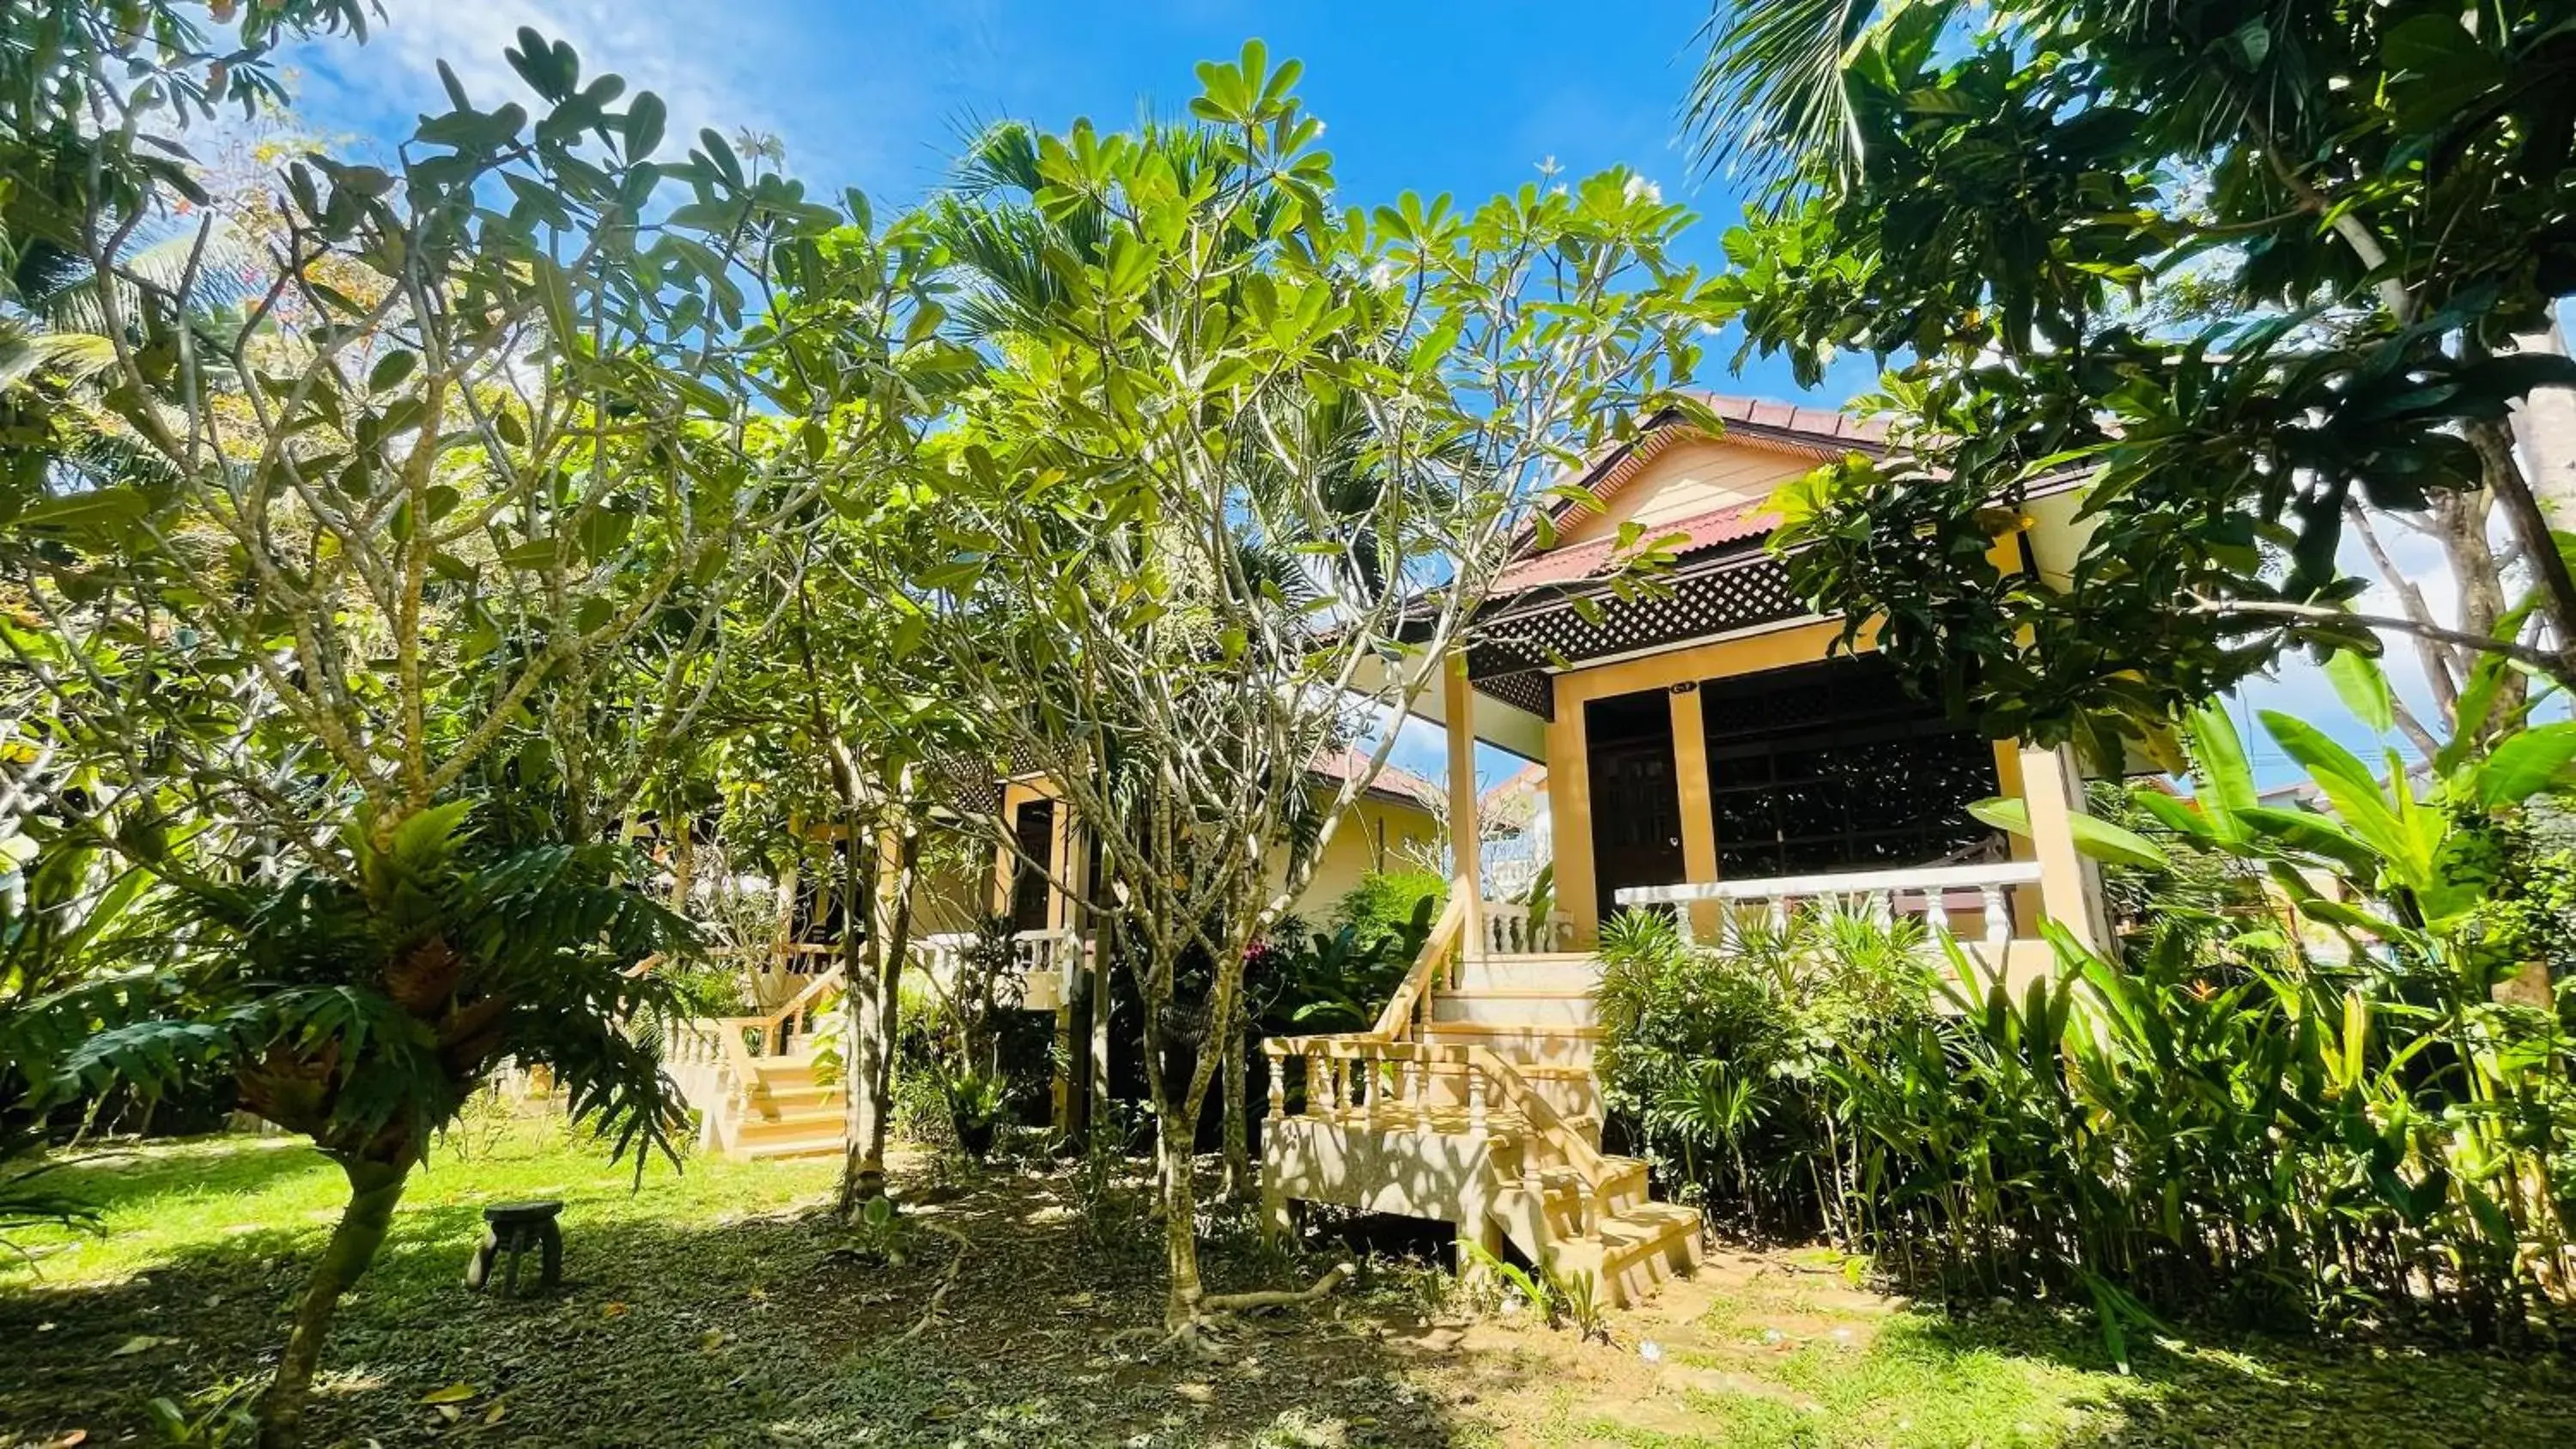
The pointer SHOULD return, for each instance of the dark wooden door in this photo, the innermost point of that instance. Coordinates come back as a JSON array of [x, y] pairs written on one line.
[[1636, 803], [1034, 828]]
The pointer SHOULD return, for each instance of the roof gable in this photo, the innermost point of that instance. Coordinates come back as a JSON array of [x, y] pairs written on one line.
[[1672, 471]]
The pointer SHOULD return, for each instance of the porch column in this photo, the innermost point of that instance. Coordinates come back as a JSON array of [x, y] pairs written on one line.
[[1569, 808], [1064, 900], [1458, 708], [2069, 884], [1699, 818]]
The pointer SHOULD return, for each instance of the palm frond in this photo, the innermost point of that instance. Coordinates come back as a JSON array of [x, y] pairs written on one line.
[[26, 352], [1770, 97]]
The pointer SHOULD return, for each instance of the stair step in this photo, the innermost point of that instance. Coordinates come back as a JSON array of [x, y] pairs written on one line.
[[1569, 972], [1646, 1245], [1553, 1010], [1647, 1222], [789, 1097], [1524, 1044], [787, 1124], [1587, 1032], [773, 1149]]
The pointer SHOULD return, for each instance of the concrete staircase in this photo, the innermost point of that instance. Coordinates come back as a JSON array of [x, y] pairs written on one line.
[[751, 1080], [784, 1113], [1474, 1102]]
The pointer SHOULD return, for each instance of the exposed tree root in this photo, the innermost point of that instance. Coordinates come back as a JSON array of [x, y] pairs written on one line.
[[1201, 1338], [947, 1280], [1251, 1302]]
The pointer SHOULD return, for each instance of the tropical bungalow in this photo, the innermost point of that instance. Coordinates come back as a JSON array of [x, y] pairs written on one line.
[[1701, 747]]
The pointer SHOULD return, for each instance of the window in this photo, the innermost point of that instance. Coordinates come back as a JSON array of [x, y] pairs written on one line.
[[1834, 766]]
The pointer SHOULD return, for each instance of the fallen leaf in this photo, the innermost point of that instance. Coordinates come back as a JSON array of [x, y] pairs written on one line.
[[450, 1413], [612, 1310], [493, 1414], [139, 1343], [711, 1340], [452, 1394]]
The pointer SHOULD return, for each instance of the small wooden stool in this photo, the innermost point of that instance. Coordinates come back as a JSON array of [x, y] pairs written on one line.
[[513, 1228]]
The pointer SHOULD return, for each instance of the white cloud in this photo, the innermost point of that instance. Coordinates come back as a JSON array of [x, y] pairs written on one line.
[[690, 53]]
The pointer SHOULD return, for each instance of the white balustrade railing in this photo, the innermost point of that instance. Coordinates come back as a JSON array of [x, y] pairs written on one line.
[[1940, 894], [1050, 962], [1510, 931]]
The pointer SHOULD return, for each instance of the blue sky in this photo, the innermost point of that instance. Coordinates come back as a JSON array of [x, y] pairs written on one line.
[[1469, 99]]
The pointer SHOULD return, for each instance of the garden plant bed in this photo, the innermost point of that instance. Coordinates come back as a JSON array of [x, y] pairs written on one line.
[[721, 1306]]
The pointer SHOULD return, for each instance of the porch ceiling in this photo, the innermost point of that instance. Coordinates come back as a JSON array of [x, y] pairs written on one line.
[[1499, 722]]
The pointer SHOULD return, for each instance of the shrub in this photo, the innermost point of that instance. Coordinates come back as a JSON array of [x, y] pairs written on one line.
[[1710, 1060], [1385, 904], [1338, 980]]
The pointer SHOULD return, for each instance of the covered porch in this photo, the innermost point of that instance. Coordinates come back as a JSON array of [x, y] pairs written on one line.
[[1737, 778]]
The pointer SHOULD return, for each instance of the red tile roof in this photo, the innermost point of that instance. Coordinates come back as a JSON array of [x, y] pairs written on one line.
[[1580, 561], [1391, 780], [1823, 425]]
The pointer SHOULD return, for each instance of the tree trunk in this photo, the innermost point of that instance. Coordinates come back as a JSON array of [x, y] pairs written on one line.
[[1174, 1131], [374, 1189], [2494, 443], [684, 866], [1238, 1141], [870, 1083], [861, 1179]]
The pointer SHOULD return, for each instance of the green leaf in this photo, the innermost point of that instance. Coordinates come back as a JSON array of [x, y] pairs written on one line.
[[100, 510], [2225, 778], [644, 122], [391, 369], [2094, 836], [2363, 687], [2305, 830], [2350, 786], [2525, 765]]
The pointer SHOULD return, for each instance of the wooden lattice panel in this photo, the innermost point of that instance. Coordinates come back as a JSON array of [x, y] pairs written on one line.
[[1522, 640]]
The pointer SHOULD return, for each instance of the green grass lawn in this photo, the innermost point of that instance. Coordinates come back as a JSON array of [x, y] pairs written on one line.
[[716, 1307]]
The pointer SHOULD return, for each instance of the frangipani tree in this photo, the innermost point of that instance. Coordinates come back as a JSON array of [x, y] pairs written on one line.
[[424, 565], [1239, 473], [842, 715]]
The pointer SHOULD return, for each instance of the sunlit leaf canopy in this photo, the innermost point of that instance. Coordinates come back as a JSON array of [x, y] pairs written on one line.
[[2244, 269]]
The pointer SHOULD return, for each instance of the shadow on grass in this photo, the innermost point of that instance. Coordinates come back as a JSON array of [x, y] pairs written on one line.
[[2220, 1387], [685, 1328]]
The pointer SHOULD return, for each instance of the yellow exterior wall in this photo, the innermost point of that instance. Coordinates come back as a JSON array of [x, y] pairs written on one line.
[[1688, 478], [1409, 834]]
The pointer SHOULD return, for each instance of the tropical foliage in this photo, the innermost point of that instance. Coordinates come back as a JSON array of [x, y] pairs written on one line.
[[2256, 274], [392, 565], [2340, 1108]]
